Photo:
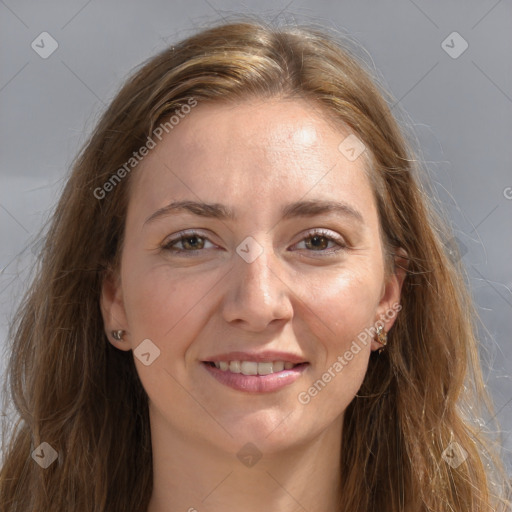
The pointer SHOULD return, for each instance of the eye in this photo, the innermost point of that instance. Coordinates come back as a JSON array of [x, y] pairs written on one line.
[[320, 240], [190, 242]]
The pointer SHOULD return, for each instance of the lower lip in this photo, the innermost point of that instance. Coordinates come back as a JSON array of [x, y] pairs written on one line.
[[256, 383]]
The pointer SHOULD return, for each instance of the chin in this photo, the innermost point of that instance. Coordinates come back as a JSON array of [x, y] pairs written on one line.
[[270, 431]]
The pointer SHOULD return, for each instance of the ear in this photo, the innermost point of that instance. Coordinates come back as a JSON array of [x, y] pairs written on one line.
[[112, 308], [388, 309]]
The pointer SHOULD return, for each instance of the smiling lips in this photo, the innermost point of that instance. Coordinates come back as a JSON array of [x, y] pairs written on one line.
[[258, 373]]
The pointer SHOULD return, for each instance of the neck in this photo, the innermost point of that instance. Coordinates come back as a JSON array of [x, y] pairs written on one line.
[[191, 476]]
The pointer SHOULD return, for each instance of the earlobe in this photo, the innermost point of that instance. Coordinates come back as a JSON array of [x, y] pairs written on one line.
[[112, 310]]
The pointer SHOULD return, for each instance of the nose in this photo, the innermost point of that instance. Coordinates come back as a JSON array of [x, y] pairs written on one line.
[[257, 294]]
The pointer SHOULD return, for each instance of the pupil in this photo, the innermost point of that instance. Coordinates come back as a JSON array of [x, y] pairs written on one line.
[[318, 241], [190, 242]]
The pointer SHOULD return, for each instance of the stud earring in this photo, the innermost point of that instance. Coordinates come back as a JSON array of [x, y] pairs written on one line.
[[382, 337], [118, 335]]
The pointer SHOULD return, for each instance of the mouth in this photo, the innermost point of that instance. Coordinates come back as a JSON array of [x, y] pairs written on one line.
[[255, 377], [254, 368]]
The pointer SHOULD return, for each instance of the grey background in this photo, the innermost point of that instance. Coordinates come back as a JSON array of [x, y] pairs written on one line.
[[461, 109]]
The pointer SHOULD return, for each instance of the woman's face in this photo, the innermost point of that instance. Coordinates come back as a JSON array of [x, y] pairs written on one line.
[[256, 268]]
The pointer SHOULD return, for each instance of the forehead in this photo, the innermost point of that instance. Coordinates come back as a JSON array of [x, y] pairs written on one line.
[[283, 121], [267, 149]]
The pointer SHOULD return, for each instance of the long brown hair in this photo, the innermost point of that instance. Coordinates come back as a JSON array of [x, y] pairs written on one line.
[[73, 390]]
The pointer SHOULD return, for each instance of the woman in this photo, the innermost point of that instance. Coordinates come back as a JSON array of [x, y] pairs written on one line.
[[244, 302]]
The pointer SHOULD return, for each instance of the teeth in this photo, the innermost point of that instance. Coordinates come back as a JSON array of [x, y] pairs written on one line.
[[278, 366], [265, 368], [249, 368], [234, 367], [253, 367]]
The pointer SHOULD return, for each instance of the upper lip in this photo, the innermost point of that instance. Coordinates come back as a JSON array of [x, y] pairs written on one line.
[[266, 356]]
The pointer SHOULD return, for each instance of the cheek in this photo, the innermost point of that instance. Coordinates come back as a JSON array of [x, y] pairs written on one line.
[[165, 308], [347, 304], [160, 302]]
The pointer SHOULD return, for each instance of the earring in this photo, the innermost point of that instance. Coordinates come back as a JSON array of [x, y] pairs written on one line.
[[117, 335], [382, 337]]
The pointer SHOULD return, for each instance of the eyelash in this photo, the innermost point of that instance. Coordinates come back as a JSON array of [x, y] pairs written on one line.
[[182, 235]]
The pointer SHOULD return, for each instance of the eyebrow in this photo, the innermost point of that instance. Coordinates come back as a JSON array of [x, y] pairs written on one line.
[[292, 210]]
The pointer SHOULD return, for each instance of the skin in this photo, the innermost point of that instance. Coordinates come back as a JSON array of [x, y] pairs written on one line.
[[254, 157]]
